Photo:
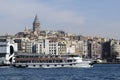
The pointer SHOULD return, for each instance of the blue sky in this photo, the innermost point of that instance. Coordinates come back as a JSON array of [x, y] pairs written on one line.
[[85, 17]]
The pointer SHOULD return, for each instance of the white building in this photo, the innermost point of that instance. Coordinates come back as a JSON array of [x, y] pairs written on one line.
[[71, 49], [50, 46], [116, 50], [34, 47], [45, 46]]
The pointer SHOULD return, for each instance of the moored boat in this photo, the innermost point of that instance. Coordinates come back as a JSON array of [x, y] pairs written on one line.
[[28, 60]]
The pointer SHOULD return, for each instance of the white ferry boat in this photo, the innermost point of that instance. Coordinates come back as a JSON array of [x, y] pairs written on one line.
[[50, 61]]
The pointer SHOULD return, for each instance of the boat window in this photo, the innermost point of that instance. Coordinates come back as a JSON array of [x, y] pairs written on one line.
[[62, 65], [47, 65], [29, 61], [74, 60], [73, 55], [56, 56], [69, 60], [26, 65], [50, 61], [20, 66], [57, 60], [34, 65], [53, 61], [60, 60], [35, 56], [70, 64], [40, 65], [17, 61], [55, 65], [17, 56]]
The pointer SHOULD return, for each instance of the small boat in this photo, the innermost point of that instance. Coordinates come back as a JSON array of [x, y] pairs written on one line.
[[27, 60]]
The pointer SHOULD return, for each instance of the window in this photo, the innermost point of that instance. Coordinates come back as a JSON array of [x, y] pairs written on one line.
[[26, 65], [40, 65], [48, 65], [70, 64], [62, 65], [69, 60]]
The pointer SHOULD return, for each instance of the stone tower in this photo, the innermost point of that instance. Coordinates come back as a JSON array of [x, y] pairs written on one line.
[[36, 26]]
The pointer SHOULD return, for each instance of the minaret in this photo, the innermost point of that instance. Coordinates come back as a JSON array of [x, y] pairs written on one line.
[[36, 26]]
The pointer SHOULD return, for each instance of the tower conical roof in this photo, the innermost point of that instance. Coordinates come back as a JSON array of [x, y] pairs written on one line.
[[36, 20]]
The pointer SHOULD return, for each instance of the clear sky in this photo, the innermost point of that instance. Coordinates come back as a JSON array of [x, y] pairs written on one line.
[[84, 17]]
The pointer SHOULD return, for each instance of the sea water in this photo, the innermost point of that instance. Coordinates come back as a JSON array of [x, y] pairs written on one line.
[[98, 72]]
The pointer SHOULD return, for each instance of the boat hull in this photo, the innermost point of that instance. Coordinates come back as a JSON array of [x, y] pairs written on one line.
[[84, 64]]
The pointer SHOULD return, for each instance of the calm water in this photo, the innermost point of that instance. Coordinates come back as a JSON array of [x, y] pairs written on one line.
[[98, 72]]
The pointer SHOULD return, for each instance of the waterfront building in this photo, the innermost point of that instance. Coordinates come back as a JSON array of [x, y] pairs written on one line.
[[115, 50], [106, 51], [62, 47], [56, 47], [81, 48], [94, 49], [29, 46], [33, 47], [77, 47], [21, 43], [85, 49], [71, 49]]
